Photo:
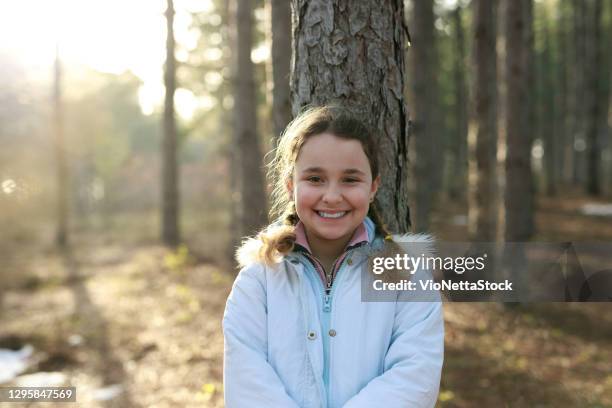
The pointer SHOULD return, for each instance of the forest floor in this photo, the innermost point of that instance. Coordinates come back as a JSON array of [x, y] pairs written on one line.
[[144, 323]]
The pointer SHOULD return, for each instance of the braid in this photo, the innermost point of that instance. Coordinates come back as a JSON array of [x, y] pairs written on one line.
[[381, 228], [284, 239], [291, 217]]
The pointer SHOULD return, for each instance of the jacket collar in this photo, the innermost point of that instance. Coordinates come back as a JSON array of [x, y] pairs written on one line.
[[363, 234]]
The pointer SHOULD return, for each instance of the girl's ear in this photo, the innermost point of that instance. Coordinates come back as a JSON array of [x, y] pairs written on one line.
[[289, 185], [374, 188]]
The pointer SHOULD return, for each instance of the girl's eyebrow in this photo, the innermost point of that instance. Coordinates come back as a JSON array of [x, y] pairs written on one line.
[[313, 170], [321, 170]]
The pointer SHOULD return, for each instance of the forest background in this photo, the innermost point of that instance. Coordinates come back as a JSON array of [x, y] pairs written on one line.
[[133, 139]]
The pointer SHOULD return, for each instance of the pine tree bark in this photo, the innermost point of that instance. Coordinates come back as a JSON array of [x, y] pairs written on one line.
[[519, 180], [530, 125], [352, 53], [229, 37], [281, 65], [603, 96], [253, 215], [594, 74], [62, 214], [562, 121], [458, 145], [580, 46], [482, 139], [170, 191], [547, 113], [422, 60], [572, 89]]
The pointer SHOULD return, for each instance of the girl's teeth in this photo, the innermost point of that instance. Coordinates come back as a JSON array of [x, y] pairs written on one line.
[[329, 215]]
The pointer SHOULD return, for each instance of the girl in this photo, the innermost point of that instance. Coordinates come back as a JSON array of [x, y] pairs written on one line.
[[296, 331]]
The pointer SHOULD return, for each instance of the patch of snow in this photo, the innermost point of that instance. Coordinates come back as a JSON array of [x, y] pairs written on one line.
[[42, 379], [602, 210], [14, 362], [107, 393]]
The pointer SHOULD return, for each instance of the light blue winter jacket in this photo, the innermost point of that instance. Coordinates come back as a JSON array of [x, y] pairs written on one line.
[[379, 354]]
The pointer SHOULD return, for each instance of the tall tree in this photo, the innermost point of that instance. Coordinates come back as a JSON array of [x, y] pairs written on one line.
[[353, 53], [562, 122], [61, 232], [482, 208], [230, 35], [603, 95], [458, 143], [519, 180], [281, 60], [424, 95], [170, 183], [578, 78], [596, 71], [547, 106], [253, 197]]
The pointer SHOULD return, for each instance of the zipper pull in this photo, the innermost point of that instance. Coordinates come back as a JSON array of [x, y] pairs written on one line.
[[327, 303]]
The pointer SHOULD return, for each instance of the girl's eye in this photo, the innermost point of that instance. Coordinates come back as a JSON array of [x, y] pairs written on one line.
[[351, 180], [314, 179]]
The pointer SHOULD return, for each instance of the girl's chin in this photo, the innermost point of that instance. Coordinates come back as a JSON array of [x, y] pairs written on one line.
[[330, 233]]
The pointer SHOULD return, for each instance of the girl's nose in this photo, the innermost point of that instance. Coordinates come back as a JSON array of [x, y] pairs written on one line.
[[332, 195]]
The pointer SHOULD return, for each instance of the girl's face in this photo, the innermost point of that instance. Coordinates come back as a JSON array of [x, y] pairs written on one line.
[[332, 187]]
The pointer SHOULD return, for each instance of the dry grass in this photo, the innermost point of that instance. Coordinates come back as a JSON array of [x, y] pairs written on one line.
[[539, 355]]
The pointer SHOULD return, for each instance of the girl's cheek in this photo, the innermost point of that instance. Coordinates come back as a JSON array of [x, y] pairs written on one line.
[[360, 194]]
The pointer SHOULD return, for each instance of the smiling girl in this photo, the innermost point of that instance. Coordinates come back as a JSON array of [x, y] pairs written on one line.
[[297, 333]]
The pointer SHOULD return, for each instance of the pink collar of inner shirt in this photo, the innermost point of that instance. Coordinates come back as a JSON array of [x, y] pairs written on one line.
[[360, 235]]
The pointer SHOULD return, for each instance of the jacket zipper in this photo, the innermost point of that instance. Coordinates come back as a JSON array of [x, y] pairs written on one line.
[[327, 306], [329, 278], [328, 293]]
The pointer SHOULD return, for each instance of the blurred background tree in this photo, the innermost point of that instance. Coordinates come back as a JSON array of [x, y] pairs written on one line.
[[170, 232]]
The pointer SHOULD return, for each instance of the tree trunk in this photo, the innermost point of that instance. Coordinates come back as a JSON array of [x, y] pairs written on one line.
[[572, 89], [548, 105], [281, 65], [170, 182], [61, 232], [458, 146], [482, 211], [530, 124], [253, 197], [579, 89], [519, 182], [352, 53], [422, 59], [229, 37], [562, 123], [603, 95], [595, 65]]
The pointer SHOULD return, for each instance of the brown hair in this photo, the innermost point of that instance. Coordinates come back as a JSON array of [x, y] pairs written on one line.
[[278, 238]]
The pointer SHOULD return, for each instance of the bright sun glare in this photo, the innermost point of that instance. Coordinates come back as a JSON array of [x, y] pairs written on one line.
[[106, 35]]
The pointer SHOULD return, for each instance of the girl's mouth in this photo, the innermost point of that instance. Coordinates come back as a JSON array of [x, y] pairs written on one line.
[[331, 215]]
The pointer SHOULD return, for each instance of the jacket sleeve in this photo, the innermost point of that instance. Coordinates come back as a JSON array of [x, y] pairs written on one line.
[[249, 380], [413, 362]]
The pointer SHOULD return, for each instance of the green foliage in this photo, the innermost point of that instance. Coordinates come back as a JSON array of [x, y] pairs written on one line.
[[178, 260]]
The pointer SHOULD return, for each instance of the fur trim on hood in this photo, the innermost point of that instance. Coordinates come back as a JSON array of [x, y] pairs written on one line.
[[426, 242], [252, 249]]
